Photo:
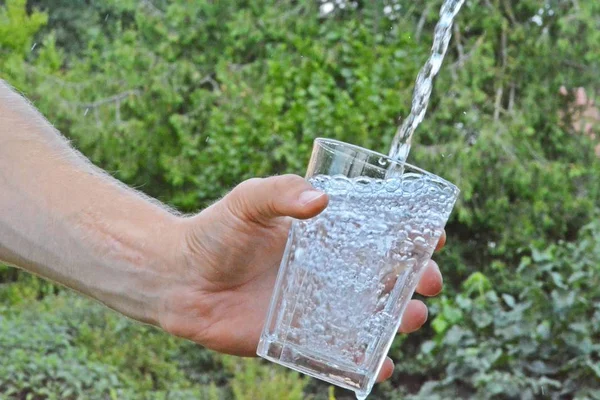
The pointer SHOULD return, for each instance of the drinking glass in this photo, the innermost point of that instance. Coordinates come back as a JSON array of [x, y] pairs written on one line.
[[347, 274]]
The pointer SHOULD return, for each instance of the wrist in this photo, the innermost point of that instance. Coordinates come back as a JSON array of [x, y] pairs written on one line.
[[137, 255]]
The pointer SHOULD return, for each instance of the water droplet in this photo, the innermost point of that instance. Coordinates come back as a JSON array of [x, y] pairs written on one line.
[[464, 113], [34, 46]]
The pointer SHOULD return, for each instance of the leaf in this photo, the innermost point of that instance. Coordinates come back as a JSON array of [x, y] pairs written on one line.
[[558, 280], [594, 366], [509, 300], [439, 325], [540, 256], [428, 346]]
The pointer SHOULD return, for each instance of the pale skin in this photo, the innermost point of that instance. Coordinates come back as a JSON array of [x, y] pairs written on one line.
[[207, 277]]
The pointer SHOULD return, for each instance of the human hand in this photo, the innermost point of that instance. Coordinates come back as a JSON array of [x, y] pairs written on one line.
[[229, 263]]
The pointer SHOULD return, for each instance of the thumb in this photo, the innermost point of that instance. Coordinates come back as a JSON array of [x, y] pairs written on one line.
[[262, 199]]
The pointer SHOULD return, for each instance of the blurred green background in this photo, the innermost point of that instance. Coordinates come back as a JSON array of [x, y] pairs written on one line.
[[183, 99]]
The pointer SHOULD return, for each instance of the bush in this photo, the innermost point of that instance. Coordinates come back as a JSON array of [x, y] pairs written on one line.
[[66, 347], [540, 340], [185, 99], [39, 361], [255, 380]]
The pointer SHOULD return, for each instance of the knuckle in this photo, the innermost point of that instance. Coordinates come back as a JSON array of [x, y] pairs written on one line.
[[287, 181], [248, 184]]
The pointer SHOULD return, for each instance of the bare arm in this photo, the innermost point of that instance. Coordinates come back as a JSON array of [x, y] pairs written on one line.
[[66, 220], [207, 278]]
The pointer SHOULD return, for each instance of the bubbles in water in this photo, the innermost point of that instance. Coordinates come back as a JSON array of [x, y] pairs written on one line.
[[349, 269]]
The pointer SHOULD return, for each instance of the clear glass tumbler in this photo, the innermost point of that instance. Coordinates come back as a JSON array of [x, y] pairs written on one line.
[[348, 274]]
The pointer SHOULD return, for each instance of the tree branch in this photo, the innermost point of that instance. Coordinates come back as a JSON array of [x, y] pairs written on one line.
[[421, 23], [458, 40], [500, 90], [152, 7], [214, 84], [573, 64], [509, 11], [511, 97], [498, 102], [437, 149], [461, 61], [112, 99]]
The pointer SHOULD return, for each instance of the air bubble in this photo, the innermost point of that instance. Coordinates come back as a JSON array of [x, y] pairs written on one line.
[[332, 299]]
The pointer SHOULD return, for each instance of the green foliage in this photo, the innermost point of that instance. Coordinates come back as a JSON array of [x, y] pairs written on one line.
[[38, 360], [255, 380], [66, 347], [17, 27], [22, 288], [184, 99], [539, 340]]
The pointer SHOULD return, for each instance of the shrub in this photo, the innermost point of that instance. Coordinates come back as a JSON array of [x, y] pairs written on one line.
[[185, 99], [540, 340], [66, 347]]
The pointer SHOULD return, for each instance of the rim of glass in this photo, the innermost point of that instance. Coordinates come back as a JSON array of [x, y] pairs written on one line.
[[326, 144]]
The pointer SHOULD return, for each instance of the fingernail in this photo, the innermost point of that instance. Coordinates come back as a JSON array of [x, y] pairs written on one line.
[[437, 267], [391, 370], [309, 196]]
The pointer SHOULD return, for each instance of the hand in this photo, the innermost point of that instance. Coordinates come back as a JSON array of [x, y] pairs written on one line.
[[230, 261]]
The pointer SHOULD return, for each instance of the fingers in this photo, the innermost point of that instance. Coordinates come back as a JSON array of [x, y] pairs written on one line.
[[414, 316], [386, 370], [441, 242], [431, 282], [260, 200]]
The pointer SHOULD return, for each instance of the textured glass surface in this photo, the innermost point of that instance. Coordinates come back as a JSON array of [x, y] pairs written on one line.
[[348, 274]]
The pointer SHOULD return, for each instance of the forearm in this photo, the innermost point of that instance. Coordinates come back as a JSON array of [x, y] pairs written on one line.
[[63, 219]]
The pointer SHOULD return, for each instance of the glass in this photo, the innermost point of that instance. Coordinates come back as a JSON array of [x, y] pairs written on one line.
[[348, 274]]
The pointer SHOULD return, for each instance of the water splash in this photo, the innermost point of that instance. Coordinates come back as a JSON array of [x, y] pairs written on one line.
[[424, 84]]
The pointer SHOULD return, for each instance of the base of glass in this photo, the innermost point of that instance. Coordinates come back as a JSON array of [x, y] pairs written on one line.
[[315, 365]]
